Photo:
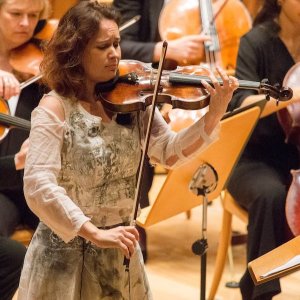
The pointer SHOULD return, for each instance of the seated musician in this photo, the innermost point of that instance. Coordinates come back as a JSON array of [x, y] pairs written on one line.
[[18, 22], [262, 177]]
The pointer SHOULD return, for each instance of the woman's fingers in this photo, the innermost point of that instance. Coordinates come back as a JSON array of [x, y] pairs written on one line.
[[226, 84], [9, 85], [123, 237], [224, 77]]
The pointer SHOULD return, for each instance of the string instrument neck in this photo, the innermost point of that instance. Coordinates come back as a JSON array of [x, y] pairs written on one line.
[[195, 80], [14, 122], [282, 94]]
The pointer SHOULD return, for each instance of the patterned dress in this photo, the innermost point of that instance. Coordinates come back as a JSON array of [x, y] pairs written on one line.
[[98, 167], [79, 170]]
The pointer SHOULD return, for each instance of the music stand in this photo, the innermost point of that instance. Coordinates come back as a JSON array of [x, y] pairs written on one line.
[[203, 182], [223, 154], [273, 259]]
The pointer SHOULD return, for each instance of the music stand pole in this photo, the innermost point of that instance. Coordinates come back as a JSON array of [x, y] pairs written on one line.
[[204, 181], [200, 246]]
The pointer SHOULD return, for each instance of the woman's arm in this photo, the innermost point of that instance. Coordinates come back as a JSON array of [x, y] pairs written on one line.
[[171, 149], [45, 198]]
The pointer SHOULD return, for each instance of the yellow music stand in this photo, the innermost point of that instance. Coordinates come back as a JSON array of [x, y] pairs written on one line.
[[274, 259], [175, 196]]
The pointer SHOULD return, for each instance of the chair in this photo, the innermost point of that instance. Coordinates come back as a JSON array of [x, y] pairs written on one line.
[[22, 235], [223, 154], [230, 208]]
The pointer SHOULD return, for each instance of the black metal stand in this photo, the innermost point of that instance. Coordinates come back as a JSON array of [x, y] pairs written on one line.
[[203, 182]]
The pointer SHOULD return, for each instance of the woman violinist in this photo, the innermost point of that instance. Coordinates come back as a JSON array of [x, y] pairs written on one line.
[[18, 22], [262, 176], [80, 173]]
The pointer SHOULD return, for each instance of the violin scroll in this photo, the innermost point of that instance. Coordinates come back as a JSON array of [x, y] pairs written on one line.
[[275, 91]]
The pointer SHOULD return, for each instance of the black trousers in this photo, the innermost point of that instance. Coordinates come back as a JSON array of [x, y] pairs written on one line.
[[262, 190], [11, 261], [14, 211]]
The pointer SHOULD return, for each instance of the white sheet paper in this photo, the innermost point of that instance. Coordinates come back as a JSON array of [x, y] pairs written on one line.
[[291, 263]]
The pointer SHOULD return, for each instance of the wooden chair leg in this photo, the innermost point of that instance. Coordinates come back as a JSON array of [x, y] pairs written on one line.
[[23, 236], [224, 240], [188, 214]]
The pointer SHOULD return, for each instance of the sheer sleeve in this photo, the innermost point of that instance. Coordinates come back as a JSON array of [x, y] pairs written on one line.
[[166, 146], [44, 196]]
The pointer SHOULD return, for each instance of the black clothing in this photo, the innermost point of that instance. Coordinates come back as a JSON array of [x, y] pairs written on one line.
[[138, 40], [261, 179], [13, 208], [12, 256]]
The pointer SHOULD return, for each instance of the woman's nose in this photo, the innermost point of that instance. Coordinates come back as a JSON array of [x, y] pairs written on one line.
[[24, 20], [114, 52]]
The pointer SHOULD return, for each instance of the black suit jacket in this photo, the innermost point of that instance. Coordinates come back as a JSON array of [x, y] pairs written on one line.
[[138, 40], [10, 178]]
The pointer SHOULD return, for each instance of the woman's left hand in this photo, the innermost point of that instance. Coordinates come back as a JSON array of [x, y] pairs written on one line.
[[220, 94]]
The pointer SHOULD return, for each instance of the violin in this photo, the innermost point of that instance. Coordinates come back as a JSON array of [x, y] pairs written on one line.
[[25, 61], [182, 17], [182, 88], [7, 121]]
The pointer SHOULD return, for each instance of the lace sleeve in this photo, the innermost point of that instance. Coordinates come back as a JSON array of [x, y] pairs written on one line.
[[166, 147], [44, 196]]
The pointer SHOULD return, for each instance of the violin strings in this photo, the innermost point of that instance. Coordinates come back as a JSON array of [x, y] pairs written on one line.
[[15, 121]]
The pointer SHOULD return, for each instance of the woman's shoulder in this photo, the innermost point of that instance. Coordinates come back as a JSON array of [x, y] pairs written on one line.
[[262, 34], [54, 103]]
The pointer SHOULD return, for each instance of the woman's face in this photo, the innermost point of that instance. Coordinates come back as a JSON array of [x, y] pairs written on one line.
[[102, 54], [18, 19]]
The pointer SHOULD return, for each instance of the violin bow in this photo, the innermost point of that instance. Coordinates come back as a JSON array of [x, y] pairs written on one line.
[[146, 143], [129, 22]]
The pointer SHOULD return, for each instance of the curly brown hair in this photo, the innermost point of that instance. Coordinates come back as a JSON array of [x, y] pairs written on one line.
[[62, 64]]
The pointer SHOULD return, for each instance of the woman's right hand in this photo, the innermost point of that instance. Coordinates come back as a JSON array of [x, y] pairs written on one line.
[[9, 85], [122, 237]]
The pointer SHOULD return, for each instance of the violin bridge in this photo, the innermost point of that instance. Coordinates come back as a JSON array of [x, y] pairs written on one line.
[[130, 78]]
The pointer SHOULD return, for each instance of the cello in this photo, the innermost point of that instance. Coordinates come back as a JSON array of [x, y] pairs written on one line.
[[182, 17], [215, 18], [289, 118]]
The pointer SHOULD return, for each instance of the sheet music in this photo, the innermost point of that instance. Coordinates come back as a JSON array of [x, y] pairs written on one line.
[[289, 264]]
